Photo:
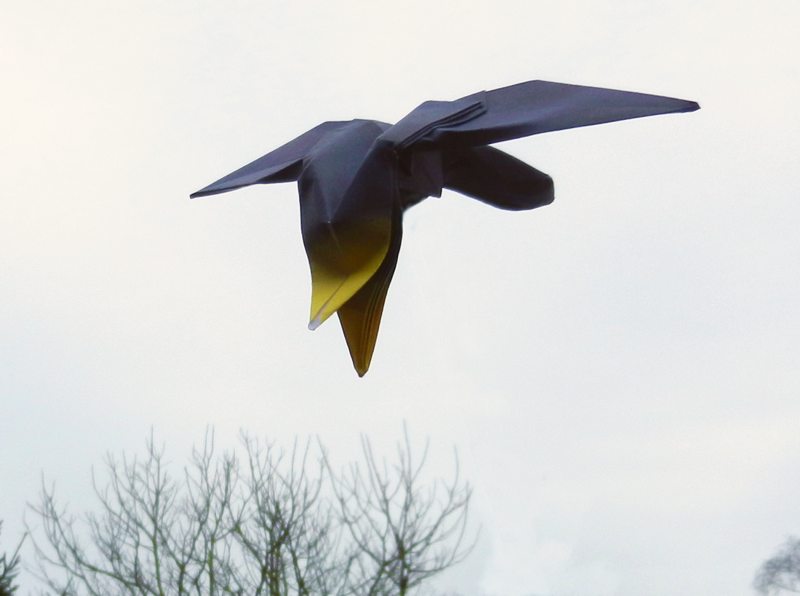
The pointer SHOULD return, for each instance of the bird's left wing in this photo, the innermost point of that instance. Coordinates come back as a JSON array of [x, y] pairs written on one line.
[[281, 165]]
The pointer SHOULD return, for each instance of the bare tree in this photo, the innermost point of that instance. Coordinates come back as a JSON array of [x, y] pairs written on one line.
[[151, 535], [404, 530], [274, 523], [284, 524], [781, 572], [9, 567]]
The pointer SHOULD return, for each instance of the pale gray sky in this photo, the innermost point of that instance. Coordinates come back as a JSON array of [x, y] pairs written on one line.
[[619, 370]]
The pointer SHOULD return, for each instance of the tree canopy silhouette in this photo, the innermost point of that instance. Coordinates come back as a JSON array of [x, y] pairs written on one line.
[[781, 572], [273, 521]]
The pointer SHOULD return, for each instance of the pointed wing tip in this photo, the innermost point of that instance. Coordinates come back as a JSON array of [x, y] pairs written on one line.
[[204, 192], [211, 189], [691, 106]]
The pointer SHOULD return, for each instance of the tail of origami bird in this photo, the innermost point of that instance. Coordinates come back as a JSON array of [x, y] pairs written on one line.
[[360, 316]]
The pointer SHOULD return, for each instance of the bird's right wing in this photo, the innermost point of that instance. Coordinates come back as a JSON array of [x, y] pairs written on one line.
[[453, 136], [541, 106], [281, 165]]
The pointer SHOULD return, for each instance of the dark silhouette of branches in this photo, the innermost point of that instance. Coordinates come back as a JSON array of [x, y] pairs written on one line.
[[275, 522], [9, 567], [781, 572], [151, 535], [404, 531]]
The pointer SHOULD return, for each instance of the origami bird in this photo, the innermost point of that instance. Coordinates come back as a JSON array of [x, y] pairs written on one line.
[[356, 178]]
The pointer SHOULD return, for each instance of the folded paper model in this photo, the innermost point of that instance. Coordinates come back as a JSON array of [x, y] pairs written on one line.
[[356, 177]]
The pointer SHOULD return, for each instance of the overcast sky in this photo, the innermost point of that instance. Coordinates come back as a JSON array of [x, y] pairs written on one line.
[[619, 370]]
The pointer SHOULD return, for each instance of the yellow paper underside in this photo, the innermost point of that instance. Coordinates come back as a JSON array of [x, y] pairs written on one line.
[[342, 262]]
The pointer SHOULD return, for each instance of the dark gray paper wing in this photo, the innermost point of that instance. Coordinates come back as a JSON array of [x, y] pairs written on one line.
[[417, 162], [431, 115], [541, 106], [281, 165]]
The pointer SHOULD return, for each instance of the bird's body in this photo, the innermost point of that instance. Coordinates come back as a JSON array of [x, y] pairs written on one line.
[[355, 179]]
